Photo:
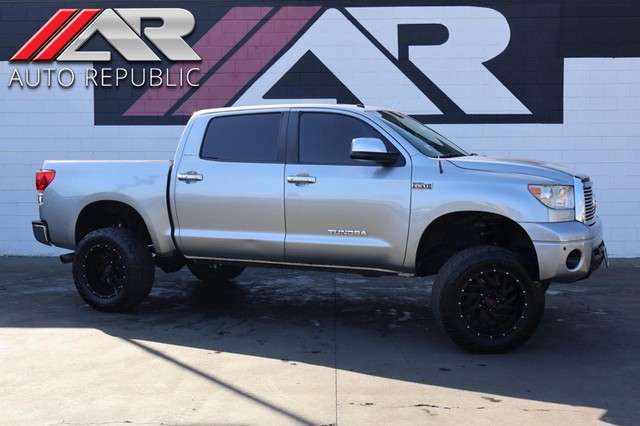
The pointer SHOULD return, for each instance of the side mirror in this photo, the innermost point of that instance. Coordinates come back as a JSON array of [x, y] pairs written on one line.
[[372, 149]]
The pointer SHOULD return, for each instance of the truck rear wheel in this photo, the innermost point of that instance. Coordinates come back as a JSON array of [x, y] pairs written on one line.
[[214, 272], [113, 269], [486, 301]]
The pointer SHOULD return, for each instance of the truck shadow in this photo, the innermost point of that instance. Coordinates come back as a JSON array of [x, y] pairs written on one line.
[[379, 327]]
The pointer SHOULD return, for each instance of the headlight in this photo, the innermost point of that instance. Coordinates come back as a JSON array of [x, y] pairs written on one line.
[[560, 197]]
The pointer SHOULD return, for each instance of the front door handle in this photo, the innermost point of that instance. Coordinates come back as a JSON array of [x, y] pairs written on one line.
[[190, 177], [301, 179]]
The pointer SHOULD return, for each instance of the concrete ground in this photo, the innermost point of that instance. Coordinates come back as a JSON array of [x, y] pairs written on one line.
[[288, 347]]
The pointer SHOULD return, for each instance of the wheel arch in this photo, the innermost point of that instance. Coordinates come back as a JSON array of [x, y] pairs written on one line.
[[456, 231], [109, 213]]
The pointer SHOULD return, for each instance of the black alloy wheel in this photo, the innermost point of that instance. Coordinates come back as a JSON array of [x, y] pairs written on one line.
[[104, 271], [113, 269], [493, 303], [485, 300]]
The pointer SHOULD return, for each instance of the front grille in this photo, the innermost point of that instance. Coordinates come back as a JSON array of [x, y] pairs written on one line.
[[589, 204]]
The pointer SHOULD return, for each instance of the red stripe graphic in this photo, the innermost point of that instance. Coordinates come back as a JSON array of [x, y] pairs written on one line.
[[63, 38], [212, 47], [250, 59], [47, 31]]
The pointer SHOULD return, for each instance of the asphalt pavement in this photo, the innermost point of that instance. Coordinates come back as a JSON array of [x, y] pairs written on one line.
[[277, 347]]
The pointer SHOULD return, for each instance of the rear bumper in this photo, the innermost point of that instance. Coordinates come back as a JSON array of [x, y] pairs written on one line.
[[41, 231], [567, 251]]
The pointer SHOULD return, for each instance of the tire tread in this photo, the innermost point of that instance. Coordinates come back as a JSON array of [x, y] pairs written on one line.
[[138, 259], [445, 280]]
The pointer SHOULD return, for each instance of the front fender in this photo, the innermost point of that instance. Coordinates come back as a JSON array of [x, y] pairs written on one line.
[[457, 190]]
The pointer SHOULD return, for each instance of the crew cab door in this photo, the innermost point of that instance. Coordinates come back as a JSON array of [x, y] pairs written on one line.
[[340, 211], [229, 197]]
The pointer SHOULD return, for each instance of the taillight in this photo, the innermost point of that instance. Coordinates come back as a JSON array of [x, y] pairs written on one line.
[[44, 178]]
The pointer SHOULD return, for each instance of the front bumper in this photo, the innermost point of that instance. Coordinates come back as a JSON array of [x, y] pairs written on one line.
[[41, 231], [567, 251]]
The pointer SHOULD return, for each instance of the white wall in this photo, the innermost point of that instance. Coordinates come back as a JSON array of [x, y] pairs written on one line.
[[600, 136], [57, 124]]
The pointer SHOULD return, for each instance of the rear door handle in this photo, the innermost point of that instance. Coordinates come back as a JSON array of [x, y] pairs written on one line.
[[190, 177], [301, 179]]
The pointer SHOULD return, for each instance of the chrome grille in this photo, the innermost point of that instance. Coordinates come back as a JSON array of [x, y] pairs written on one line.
[[589, 204]]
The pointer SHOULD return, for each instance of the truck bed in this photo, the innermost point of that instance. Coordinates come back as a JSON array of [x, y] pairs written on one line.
[[78, 184]]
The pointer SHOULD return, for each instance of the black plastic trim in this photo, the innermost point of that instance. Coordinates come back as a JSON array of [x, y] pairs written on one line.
[[41, 232]]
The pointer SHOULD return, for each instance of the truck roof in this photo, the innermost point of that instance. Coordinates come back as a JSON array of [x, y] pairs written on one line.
[[343, 107]]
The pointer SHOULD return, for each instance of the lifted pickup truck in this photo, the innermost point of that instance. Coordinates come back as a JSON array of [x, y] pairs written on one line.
[[329, 186]]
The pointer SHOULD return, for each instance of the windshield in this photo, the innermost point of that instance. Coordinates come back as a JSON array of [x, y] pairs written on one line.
[[427, 141]]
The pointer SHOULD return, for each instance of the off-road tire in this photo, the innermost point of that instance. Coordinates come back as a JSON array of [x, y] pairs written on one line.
[[485, 300], [214, 272], [113, 269]]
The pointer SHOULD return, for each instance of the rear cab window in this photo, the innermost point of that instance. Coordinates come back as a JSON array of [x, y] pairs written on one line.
[[246, 138]]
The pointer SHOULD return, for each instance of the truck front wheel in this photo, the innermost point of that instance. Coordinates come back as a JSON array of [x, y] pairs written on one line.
[[113, 269], [214, 272], [485, 300]]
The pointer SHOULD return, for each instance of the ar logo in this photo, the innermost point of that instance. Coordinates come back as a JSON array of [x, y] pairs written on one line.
[[69, 29], [462, 39], [365, 48]]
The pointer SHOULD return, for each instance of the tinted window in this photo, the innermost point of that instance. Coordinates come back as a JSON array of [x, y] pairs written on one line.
[[326, 138], [426, 140], [247, 138]]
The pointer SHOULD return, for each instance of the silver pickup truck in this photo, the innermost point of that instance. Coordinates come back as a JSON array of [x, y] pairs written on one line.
[[336, 187]]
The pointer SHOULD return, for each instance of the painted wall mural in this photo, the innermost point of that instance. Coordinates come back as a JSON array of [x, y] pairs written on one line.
[[472, 62]]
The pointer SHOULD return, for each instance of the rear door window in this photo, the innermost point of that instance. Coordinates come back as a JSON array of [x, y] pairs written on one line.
[[248, 138]]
